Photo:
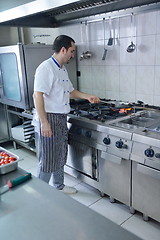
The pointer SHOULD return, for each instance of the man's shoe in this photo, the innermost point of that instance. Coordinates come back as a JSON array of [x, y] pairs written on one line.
[[69, 190]]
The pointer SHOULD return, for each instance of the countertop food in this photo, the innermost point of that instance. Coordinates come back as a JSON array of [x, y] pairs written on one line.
[[35, 210]]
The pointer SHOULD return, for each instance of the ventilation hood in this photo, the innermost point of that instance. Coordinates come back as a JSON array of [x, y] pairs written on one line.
[[50, 13]]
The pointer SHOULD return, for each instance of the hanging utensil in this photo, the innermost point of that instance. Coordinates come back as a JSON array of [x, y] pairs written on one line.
[[105, 49], [110, 41], [132, 46], [86, 54]]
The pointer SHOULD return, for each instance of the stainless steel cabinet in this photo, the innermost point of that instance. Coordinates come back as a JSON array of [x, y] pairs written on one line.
[[146, 190], [115, 177], [4, 136]]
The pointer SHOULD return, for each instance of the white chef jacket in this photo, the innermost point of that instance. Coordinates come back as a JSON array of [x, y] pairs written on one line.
[[54, 82]]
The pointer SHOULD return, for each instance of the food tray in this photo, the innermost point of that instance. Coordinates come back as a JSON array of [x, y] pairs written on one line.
[[9, 167]]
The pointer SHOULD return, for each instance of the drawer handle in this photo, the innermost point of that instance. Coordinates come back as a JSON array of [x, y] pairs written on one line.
[[111, 158], [148, 171]]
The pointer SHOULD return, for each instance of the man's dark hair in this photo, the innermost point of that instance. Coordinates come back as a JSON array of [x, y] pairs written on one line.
[[62, 41]]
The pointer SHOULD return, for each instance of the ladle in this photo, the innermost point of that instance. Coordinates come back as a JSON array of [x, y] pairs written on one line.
[[86, 54], [132, 46], [105, 49]]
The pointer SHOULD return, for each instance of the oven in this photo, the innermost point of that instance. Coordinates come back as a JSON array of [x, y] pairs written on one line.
[[82, 158], [146, 172], [115, 177], [115, 164], [98, 154]]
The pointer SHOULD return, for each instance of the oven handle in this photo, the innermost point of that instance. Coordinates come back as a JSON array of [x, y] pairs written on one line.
[[148, 171], [112, 158]]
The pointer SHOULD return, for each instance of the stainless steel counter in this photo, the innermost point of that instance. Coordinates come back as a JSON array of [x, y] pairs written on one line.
[[35, 210]]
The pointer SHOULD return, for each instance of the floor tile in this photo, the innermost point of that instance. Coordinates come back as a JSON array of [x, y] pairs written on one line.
[[86, 194], [33, 171], [70, 181], [27, 163], [146, 230], [117, 212]]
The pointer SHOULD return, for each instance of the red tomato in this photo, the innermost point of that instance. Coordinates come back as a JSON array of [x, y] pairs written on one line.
[[6, 158], [12, 158], [2, 161], [7, 161]]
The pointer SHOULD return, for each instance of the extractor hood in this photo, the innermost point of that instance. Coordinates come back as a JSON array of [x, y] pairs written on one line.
[[52, 13]]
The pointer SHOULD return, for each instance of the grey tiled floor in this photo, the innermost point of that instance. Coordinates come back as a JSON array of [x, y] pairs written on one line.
[[90, 197]]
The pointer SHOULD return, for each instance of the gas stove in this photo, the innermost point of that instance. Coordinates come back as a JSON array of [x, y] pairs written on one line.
[[104, 111]]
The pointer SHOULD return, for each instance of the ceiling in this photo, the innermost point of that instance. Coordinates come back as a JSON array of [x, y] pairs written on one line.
[[51, 13]]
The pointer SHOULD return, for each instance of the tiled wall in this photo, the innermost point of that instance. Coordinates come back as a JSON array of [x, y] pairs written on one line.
[[123, 76]]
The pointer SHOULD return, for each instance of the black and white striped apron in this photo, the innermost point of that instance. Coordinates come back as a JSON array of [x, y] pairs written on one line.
[[53, 150]]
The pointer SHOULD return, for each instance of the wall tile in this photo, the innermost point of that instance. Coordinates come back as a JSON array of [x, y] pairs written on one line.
[[127, 79], [97, 50], [146, 23], [157, 52], [146, 50], [97, 76], [157, 81], [145, 80], [96, 31], [114, 95], [85, 80], [128, 26], [156, 100], [99, 93], [111, 78], [158, 22], [126, 96]]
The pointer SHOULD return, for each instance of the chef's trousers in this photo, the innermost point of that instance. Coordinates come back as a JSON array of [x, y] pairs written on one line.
[[56, 178]]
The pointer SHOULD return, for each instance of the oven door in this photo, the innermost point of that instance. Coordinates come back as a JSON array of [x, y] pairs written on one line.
[[82, 158], [115, 176], [146, 190]]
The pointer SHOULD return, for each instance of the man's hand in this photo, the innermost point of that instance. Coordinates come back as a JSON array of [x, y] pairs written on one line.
[[93, 99], [46, 130]]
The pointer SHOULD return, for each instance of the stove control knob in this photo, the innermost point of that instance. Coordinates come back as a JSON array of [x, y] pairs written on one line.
[[79, 131], [88, 134], [107, 140], [157, 155], [119, 144], [125, 146], [149, 152]]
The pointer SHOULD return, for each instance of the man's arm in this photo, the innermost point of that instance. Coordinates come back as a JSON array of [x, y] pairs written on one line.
[[46, 130], [91, 98]]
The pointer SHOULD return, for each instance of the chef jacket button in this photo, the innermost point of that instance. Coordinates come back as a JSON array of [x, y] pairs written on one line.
[[67, 91], [64, 91], [66, 80], [63, 80]]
